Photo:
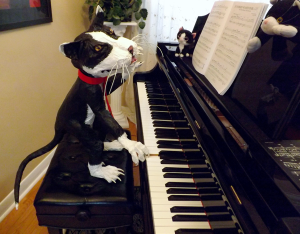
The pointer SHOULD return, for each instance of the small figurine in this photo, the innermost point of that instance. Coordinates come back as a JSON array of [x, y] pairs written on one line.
[[186, 42]]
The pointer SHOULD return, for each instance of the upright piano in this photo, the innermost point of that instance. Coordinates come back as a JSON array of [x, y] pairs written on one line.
[[220, 164]]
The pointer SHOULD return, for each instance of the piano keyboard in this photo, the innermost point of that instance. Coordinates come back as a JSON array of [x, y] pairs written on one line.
[[185, 197]]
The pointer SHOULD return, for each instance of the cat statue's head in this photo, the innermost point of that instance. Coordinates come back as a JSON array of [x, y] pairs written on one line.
[[99, 51]]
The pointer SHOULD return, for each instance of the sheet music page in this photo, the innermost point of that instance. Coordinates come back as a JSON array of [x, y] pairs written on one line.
[[231, 48], [210, 34]]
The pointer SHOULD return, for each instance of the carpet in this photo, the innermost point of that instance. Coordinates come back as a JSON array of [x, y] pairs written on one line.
[[137, 226]]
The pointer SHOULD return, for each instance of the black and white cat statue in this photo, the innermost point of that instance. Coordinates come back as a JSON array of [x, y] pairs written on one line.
[[186, 41], [96, 54]]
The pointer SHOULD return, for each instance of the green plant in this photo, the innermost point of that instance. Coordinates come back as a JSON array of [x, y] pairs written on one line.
[[118, 11]]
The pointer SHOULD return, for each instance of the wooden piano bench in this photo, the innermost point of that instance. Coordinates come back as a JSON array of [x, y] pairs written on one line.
[[69, 198]]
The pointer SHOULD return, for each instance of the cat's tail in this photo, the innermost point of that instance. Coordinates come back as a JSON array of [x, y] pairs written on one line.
[[57, 138]]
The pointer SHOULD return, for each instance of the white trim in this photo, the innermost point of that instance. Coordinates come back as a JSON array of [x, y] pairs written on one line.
[[8, 203]]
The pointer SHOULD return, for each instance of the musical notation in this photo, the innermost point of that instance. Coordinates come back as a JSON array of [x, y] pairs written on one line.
[[286, 154]]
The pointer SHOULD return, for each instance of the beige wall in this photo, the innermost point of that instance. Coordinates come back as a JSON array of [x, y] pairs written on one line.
[[34, 79]]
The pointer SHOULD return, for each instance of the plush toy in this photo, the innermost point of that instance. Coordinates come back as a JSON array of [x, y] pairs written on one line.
[[186, 41], [96, 53], [282, 23]]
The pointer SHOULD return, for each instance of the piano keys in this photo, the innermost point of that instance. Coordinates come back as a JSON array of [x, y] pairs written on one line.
[[185, 196]]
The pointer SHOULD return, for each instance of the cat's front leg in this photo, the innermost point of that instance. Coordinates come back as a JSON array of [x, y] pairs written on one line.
[[113, 146], [137, 150], [109, 173]]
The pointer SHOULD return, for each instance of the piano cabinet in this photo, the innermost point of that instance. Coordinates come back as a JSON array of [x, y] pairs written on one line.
[[213, 167]]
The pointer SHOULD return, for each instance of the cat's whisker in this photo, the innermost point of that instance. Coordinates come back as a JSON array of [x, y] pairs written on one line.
[[114, 78], [109, 76], [137, 36]]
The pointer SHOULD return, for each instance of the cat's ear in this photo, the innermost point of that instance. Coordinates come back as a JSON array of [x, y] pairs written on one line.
[[181, 29], [194, 35], [71, 49], [98, 20]]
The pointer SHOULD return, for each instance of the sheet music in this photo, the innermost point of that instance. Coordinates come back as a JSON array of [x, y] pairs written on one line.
[[231, 49], [208, 38], [221, 48]]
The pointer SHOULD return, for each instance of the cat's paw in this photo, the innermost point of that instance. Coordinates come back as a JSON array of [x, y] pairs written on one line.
[[113, 146], [109, 173], [137, 150], [253, 44], [268, 24], [176, 55], [181, 55], [285, 31], [187, 55]]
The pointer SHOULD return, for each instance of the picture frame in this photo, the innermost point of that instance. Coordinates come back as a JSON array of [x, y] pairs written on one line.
[[23, 13]]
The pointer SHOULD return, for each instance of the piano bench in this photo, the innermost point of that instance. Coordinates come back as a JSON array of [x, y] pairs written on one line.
[[69, 198]]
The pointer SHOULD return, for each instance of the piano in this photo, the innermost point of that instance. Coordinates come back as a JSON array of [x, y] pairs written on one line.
[[220, 164]]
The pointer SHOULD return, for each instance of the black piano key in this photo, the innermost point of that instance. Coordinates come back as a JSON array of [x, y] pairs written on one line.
[[165, 108], [181, 162], [157, 101], [169, 136], [183, 144], [201, 197], [187, 209], [157, 123], [195, 164], [176, 146], [166, 156], [208, 190], [174, 131], [181, 191], [218, 217], [167, 116], [202, 174], [174, 169], [177, 175], [189, 218], [214, 209], [191, 209], [199, 169], [154, 90], [156, 117], [183, 198], [169, 153], [205, 184], [194, 154], [180, 184]]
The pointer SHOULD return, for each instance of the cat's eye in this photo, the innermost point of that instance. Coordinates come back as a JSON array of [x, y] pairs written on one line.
[[111, 31], [186, 38], [98, 47]]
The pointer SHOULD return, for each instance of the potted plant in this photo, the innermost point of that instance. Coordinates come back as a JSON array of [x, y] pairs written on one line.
[[118, 11]]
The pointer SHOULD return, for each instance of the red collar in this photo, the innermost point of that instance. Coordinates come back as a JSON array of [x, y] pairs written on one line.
[[91, 80]]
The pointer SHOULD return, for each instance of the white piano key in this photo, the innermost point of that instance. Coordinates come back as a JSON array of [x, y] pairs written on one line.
[[169, 223], [166, 214], [163, 194], [162, 201], [167, 207], [168, 230], [161, 179]]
